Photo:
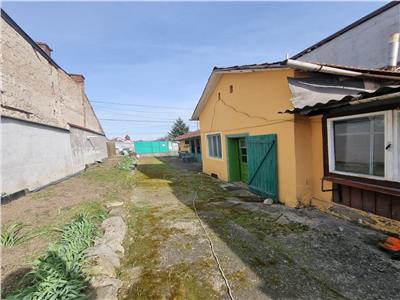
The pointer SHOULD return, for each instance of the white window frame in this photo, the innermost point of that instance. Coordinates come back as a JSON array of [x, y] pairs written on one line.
[[392, 173], [208, 145]]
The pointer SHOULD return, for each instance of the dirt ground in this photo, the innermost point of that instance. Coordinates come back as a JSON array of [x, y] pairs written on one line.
[[267, 252], [53, 206]]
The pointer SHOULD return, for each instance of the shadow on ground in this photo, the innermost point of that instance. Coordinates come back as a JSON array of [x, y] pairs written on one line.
[[295, 254]]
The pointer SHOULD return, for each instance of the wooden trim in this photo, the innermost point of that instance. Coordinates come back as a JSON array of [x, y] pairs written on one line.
[[361, 109], [325, 145], [385, 187]]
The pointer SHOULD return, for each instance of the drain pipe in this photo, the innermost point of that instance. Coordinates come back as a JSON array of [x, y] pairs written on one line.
[[394, 50], [306, 66]]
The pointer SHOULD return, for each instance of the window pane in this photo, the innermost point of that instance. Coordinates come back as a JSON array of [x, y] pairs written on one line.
[[219, 152], [214, 145], [210, 145], [359, 145]]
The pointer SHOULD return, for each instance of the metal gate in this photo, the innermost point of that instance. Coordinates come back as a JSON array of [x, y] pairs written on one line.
[[151, 147], [262, 165]]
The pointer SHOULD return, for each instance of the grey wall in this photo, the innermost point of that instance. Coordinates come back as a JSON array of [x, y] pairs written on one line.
[[365, 46], [87, 148], [32, 155]]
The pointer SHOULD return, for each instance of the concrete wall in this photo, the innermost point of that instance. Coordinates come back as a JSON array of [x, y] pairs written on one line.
[[366, 45], [40, 101], [87, 148], [33, 155]]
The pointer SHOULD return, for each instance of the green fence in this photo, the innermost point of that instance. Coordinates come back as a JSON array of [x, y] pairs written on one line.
[[147, 147]]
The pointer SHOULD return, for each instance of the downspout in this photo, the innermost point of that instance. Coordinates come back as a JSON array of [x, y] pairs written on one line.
[[306, 66]]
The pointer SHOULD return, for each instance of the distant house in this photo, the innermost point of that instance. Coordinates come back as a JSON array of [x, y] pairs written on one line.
[[366, 43], [190, 143], [49, 128]]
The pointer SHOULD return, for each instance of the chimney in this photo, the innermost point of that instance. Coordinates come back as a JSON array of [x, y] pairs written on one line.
[[45, 48], [394, 50], [78, 78]]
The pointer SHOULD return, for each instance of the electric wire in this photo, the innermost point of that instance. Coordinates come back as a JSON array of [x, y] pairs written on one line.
[[143, 105]]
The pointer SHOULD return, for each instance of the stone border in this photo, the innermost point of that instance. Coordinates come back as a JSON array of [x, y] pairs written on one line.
[[104, 256]]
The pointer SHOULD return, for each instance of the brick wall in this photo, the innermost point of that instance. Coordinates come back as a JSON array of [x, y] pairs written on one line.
[[30, 83]]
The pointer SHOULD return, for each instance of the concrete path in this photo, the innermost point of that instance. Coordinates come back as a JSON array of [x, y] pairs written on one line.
[[267, 252]]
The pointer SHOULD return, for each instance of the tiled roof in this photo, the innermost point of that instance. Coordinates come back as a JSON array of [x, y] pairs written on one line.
[[191, 134]]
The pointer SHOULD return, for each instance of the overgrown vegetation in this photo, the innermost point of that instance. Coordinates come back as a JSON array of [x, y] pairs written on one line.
[[58, 274], [126, 164], [12, 236]]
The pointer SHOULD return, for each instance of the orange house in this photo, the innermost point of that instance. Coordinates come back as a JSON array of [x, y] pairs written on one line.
[[255, 127]]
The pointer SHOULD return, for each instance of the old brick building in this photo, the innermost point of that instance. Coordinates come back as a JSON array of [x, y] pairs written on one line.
[[49, 128]]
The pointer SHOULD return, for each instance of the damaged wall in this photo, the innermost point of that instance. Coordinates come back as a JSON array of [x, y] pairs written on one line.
[[49, 128], [87, 147]]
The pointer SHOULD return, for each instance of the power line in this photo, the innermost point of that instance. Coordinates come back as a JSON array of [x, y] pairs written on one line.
[[144, 121], [130, 120], [142, 105]]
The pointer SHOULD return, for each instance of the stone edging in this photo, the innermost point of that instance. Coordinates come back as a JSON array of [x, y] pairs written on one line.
[[104, 256]]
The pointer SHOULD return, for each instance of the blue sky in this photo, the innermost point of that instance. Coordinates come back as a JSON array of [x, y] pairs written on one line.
[[158, 56]]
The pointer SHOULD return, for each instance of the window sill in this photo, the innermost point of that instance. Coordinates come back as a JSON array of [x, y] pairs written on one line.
[[384, 187]]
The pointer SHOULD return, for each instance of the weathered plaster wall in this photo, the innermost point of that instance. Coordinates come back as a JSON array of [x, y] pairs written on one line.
[[34, 85], [366, 45], [87, 148], [261, 95], [32, 155], [38, 95]]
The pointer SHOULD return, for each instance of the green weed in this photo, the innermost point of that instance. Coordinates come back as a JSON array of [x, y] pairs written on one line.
[[12, 235], [58, 273], [126, 163]]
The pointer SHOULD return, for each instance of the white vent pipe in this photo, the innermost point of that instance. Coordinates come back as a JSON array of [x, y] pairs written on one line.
[[394, 50]]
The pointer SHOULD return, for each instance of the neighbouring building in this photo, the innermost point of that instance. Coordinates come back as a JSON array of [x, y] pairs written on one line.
[[48, 127], [366, 43], [190, 144], [306, 133], [251, 131]]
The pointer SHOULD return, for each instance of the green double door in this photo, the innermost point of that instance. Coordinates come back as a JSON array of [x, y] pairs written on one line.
[[253, 160]]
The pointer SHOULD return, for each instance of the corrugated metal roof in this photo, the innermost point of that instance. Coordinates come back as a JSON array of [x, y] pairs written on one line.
[[346, 100]]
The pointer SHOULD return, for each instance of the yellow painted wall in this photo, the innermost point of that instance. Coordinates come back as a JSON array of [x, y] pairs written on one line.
[[253, 108], [261, 95], [309, 163], [319, 199]]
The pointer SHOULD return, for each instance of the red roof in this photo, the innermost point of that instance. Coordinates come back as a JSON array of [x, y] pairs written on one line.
[[189, 135]]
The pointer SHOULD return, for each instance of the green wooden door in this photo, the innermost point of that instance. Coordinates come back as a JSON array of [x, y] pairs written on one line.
[[243, 160], [262, 165]]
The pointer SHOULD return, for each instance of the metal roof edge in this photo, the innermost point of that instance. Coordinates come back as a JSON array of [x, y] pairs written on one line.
[[214, 78]]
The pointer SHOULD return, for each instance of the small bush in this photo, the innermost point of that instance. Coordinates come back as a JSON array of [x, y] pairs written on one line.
[[58, 273], [126, 163]]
